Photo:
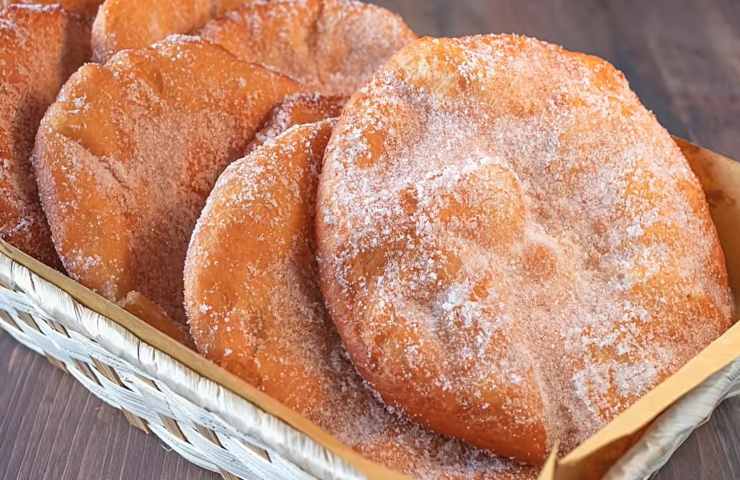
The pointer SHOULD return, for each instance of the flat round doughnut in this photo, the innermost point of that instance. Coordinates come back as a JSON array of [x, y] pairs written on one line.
[[84, 7], [128, 154], [512, 248], [126, 24], [331, 46], [298, 109], [40, 47], [255, 308]]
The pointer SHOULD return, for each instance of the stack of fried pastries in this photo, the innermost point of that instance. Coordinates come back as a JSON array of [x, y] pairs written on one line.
[[451, 254]]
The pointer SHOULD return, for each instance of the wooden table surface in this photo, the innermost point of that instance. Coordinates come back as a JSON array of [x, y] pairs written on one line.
[[682, 57]]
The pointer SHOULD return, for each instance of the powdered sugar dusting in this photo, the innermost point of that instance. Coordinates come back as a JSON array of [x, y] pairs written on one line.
[[509, 238]]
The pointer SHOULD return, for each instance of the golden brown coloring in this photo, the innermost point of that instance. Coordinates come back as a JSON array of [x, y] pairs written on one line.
[[125, 24], [255, 308], [513, 249], [140, 306], [331, 46], [40, 47], [127, 156], [298, 109], [84, 7]]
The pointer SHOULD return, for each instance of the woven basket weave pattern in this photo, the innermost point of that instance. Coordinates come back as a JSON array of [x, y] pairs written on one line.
[[127, 374]]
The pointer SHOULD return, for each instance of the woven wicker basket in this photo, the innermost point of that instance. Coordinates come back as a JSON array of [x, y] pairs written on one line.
[[198, 417], [220, 423]]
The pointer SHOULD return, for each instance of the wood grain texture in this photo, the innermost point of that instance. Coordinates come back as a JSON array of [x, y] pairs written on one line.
[[52, 428], [682, 57]]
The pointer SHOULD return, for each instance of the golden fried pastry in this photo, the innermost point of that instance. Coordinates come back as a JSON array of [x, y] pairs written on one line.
[[128, 154], [143, 308], [84, 7], [254, 304], [512, 248], [40, 47], [331, 46], [298, 109], [124, 24]]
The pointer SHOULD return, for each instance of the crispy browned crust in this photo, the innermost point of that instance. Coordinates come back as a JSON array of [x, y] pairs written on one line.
[[331, 46], [513, 249], [40, 47], [128, 154]]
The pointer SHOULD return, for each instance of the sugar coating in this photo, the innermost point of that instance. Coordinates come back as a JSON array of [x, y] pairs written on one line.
[[331, 46], [84, 7], [125, 24], [128, 154], [40, 46], [254, 305], [298, 109], [512, 248]]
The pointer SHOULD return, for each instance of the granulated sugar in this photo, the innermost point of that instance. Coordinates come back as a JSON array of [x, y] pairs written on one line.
[[330, 46], [257, 311], [128, 154], [40, 46], [507, 236]]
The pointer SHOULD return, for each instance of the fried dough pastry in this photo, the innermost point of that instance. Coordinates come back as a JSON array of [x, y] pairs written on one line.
[[84, 7], [255, 308], [512, 248], [331, 46], [128, 154], [125, 24], [143, 308], [298, 109], [40, 47]]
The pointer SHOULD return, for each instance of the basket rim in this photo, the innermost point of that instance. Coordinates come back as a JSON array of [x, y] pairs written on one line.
[[196, 363]]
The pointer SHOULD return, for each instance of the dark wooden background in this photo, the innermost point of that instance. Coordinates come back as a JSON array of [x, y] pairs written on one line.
[[681, 56]]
